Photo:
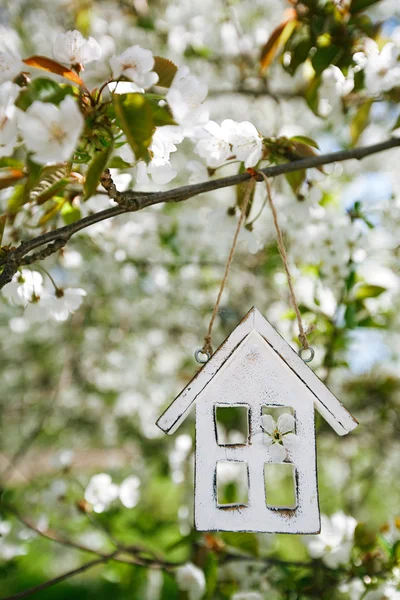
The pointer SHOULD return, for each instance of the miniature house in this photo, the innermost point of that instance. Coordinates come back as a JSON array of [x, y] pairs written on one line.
[[258, 372]]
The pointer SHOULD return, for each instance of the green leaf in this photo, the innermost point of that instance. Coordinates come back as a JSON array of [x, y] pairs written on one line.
[[246, 542], [325, 56], [350, 316], [296, 179], [17, 199], [305, 140], [166, 71], [96, 168], [118, 163], [135, 117], [360, 120], [70, 213], [369, 291], [397, 124], [359, 5], [45, 90]]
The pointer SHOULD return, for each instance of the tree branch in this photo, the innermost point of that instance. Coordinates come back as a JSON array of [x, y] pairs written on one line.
[[63, 577], [131, 201]]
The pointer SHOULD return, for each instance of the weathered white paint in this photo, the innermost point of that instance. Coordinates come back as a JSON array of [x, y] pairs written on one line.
[[325, 402], [256, 367], [255, 376]]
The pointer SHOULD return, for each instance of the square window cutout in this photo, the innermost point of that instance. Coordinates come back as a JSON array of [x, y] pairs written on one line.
[[232, 424], [232, 481], [280, 485]]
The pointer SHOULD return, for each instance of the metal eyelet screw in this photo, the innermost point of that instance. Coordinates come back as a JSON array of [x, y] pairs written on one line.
[[310, 357], [201, 356]]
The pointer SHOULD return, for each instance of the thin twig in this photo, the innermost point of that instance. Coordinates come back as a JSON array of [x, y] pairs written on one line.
[[134, 201]]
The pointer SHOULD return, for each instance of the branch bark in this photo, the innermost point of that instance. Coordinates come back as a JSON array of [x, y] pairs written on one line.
[[132, 201]]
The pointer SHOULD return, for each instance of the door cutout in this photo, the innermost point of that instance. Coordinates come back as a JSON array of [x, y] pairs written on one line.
[[232, 424], [232, 483], [280, 485]]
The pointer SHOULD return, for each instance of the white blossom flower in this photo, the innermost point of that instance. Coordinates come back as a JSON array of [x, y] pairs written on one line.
[[279, 436], [101, 492], [335, 86], [381, 67], [198, 171], [8, 118], [191, 579], [135, 63], [72, 48], [162, 145], [51, 132], [215, 147], [10, 66], [23, 287], [245, 140], [129, 491], [65, 302], [355, 589], [185, 98], [335, 542], [387, 591]]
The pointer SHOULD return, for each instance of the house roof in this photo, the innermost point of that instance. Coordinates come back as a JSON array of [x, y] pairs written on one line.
[[325, 402]]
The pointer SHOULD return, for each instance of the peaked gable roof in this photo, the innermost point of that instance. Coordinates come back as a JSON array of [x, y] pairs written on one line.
[[325, 402]]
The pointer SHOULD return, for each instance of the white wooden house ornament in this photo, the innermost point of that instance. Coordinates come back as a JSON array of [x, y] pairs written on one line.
[[256, 369]]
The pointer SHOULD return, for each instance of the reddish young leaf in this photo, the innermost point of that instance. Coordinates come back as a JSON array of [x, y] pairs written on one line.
[[278, 37], [47, 64], [9, 176]]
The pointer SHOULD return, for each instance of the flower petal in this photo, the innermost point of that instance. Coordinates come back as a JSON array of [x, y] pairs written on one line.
[[277, 453], [268, 423], [291, 441], [286, 423]]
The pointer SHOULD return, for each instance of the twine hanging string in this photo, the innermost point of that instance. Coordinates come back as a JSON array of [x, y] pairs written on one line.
[[282, 251], [207, 347]]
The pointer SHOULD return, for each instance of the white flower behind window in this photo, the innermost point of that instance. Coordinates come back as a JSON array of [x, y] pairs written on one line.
[[72, 48], [335, 542], [191, 579], [10, 66], [135, 63], [101, 492], [51, 132], [280, 436]]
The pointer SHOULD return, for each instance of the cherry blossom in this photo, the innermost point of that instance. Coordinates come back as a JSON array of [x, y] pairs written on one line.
[[335, 86], [245, 140], [72, 48], [185, 98], [381, 67], [65, 302], [215, 147], [51, 133], [135, 63], [129, 491], [10, 66], [24, 286], [191, 579], [8, 121], [101, 492], [335, 542], [162, 145], [280, 436]]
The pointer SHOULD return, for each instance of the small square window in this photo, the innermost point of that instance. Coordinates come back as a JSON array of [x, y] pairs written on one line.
[[232, 483], [280, 485], [232, 424]]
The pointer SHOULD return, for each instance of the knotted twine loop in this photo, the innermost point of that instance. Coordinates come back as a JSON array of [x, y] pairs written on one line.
[[282, 251], [207, 347]]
